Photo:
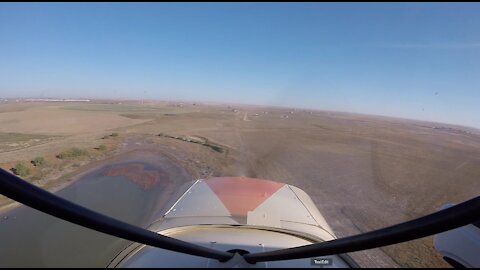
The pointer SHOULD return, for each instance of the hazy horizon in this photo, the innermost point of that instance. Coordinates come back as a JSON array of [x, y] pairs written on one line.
[[219, 103], [410, 60]]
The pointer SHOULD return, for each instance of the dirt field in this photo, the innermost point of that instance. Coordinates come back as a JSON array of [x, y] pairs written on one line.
[[363, 172], [51, 119]]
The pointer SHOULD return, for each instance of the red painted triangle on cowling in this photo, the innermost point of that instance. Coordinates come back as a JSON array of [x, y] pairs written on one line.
[[241, 195]]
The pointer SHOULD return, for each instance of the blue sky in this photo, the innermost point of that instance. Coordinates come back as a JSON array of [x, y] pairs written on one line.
[[411, 60]]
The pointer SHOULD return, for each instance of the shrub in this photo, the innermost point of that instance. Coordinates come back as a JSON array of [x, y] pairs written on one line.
[[115, 134], [102, 147], [21, 170], [215, 148], [38, 161], [72, 152]]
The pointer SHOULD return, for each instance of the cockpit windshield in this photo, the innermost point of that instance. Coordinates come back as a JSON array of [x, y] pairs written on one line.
[[317, 121]]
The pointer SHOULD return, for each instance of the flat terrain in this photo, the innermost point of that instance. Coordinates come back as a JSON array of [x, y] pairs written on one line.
[[363, 172], [54, 119]]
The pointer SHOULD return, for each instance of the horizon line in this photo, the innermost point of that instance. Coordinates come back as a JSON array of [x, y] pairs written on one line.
[[71, 99]]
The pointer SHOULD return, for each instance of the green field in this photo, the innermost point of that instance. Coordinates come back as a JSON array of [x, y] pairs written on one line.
[[127, 108]]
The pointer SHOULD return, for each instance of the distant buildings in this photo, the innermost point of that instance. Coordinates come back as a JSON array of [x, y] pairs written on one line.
[[55, 100]]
